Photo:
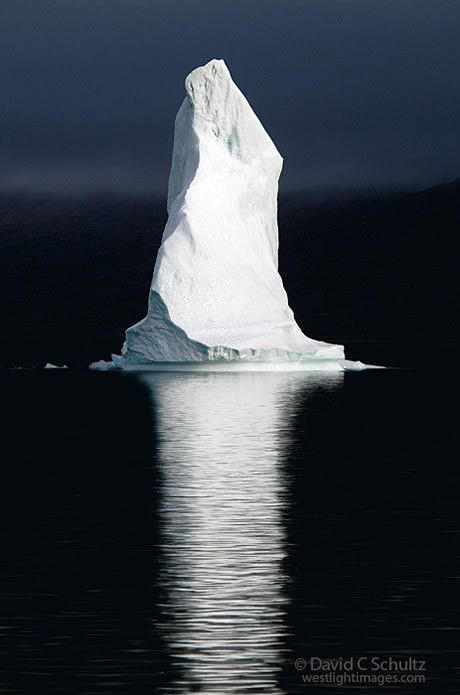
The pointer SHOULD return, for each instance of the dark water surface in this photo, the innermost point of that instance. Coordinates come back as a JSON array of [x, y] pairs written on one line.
[[193, 533]]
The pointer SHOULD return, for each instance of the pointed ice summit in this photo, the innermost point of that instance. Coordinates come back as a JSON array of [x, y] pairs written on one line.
[[216, 294]]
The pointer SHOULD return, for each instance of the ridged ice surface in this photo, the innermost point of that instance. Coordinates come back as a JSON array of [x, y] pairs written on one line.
[[216, 293]]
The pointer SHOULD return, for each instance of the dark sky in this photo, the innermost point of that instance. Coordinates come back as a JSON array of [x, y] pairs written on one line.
[[353, 92]]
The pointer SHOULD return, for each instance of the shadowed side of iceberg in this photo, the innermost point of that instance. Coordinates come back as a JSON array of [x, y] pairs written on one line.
[[157, 339]]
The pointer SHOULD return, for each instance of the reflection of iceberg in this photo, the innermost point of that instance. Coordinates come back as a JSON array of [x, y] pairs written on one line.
[[222, 443], [216, 295]]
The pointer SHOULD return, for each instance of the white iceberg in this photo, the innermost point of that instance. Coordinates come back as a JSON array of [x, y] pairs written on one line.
[[216, 298]]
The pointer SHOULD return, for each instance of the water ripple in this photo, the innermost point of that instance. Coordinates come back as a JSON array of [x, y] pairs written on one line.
[[222, 582]]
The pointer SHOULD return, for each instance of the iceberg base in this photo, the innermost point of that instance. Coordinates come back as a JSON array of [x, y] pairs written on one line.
[[318, 365]]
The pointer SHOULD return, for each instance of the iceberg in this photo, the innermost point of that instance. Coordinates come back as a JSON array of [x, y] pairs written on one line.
[[217, 299]]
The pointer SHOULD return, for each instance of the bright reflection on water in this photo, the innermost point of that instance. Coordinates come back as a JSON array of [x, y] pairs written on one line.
[[223, 447]]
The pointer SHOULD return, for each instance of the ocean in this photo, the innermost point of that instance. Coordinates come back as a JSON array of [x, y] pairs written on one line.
[[229, 533]]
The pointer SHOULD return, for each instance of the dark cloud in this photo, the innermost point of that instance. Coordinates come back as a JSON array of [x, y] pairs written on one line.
[[354, 93]]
